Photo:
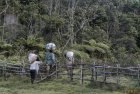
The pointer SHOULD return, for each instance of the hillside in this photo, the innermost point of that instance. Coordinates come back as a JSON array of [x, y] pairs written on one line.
[[102, 30]]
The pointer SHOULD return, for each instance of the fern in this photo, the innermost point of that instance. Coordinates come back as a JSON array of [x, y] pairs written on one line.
[[81, 54]]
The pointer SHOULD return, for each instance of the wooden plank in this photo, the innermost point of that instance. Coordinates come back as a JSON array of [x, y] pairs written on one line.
[[46, 77]]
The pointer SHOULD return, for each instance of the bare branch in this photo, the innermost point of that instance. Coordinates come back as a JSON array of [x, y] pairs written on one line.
[[7, 5]]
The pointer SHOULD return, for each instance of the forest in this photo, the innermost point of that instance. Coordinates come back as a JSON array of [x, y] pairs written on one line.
[[96, 30]]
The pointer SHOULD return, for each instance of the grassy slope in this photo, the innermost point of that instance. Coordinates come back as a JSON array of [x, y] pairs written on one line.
[[59, 86]]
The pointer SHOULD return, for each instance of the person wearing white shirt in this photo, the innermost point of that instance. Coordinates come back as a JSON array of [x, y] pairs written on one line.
[[34, 68]]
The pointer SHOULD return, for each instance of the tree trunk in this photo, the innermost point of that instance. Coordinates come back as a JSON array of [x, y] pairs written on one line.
[[71, 11]]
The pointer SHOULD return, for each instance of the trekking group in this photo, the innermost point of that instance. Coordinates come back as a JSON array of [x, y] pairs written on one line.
[[50, 60]]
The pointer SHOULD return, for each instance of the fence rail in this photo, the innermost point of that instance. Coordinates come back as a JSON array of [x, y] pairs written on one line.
[[82, 72]]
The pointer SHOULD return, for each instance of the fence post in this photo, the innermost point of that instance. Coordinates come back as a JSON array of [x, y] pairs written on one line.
[[4, 71], [118, 78], [56, 69], [81, 74], [139, 74], [1, 70], [95, 73], [92, 73], [104, 71]]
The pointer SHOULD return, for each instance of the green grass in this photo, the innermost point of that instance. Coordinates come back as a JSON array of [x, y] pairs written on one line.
[[18, 85]]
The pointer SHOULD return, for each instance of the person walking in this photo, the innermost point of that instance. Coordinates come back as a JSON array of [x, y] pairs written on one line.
[[50, 60], [34, 67], [50, 56], [69, 55]]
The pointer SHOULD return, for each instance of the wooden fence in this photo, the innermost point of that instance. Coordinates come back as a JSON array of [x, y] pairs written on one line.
[[93, 72], [82, 72]]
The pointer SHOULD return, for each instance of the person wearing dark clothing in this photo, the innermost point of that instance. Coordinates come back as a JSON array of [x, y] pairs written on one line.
[[34, 67], [50, 59]]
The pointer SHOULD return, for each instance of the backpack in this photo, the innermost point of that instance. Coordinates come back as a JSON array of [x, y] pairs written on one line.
[[69, 55], [32, 57], [50, 46]]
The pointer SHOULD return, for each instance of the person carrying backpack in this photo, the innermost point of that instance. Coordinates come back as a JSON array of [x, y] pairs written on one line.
[[50, 56], [34, 65], [69, 55]]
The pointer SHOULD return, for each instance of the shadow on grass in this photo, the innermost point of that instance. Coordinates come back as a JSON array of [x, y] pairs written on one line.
[[105, 86]]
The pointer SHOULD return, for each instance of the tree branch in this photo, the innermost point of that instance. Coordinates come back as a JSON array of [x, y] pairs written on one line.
[[7, 5]]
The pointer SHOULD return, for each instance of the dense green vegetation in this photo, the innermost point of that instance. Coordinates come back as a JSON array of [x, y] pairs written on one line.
[[106, 30], [96, 30]]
